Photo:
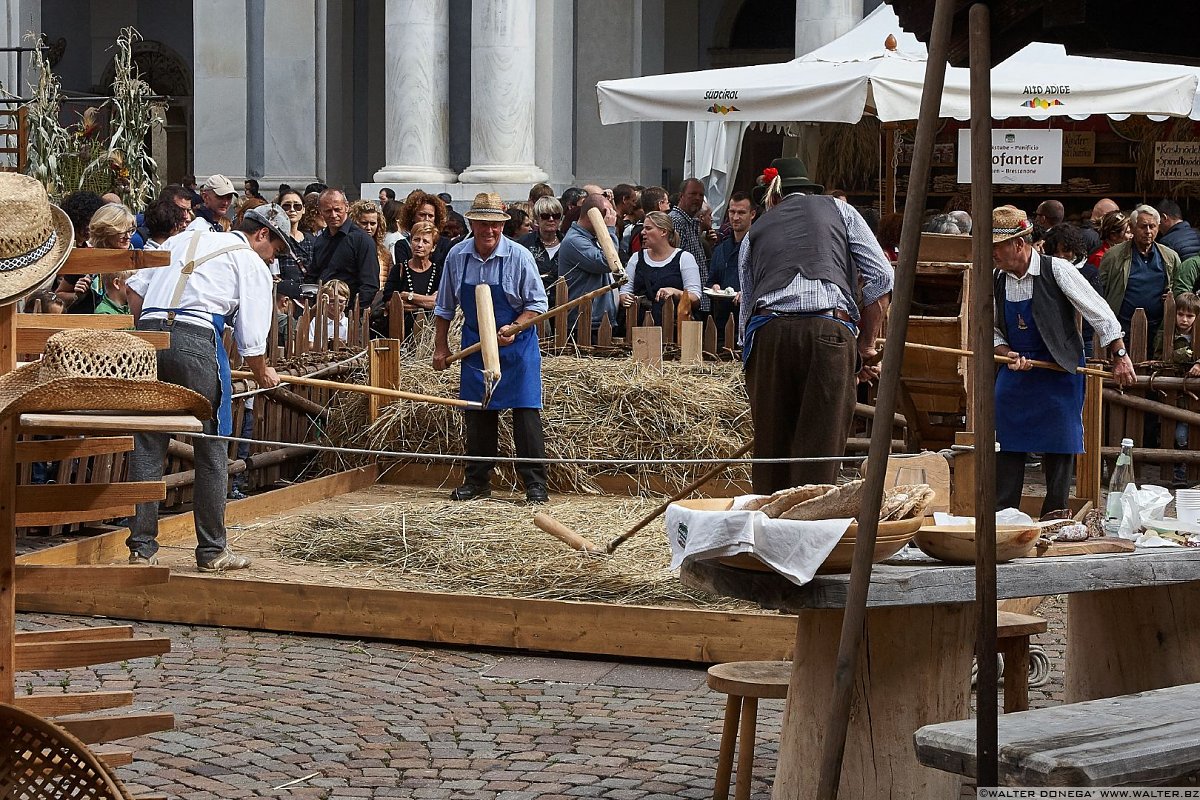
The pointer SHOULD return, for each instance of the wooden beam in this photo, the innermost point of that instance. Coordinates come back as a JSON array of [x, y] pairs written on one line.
[[383, 370], [93, 730], [33, 340], [8, 510], [124, 423], [102, 260], [477, 621], [181, 527], [76, 634], [57, 705], [87, 496], [691, 342], [96, 322], [35, 578], [114, 756], [62, 449], [33, 519], [86, 652]]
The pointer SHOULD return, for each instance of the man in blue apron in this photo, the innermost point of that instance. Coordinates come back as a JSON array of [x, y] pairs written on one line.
[[511, 273], [214, 279], [804, 267], [1040, 410]]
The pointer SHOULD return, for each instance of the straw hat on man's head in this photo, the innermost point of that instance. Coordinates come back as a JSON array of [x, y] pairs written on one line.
[[1009, 222], [487, 207], [35, 236], [86, 370]]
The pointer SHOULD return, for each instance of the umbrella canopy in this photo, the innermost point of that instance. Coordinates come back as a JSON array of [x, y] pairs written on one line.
[[1042, 81], [862, 71]]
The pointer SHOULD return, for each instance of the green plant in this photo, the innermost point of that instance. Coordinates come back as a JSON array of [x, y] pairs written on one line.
[[133, 118], [48, 139]]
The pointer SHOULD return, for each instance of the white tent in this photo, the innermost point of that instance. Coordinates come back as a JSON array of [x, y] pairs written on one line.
[[857, 73]]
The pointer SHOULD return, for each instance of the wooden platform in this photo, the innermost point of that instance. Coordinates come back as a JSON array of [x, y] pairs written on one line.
[[282, 596]]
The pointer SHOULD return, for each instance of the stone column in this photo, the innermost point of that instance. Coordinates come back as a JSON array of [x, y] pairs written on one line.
[[503, 72], [219, 34], [417, 33], [289, 140]]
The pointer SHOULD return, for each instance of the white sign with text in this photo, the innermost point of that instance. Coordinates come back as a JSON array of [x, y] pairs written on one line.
[[1018, 156]]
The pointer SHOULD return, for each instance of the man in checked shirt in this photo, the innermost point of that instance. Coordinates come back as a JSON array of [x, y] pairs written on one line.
[[815, 287]]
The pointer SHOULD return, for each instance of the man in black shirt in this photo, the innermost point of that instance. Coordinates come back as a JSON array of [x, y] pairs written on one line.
[[344, 251]]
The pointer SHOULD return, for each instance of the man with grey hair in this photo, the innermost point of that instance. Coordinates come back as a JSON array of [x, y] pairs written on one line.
[[686, 217], [344, 251], [1175, 232], [1139, 273]]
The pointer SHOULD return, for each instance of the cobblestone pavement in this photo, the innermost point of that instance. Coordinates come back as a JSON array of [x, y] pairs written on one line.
[[352, 719]]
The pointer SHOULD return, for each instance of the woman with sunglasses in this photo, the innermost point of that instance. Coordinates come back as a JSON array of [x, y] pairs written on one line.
[[293, 264], [543, 241]]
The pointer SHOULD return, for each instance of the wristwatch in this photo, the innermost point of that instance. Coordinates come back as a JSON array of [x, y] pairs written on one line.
[[1120, 352]]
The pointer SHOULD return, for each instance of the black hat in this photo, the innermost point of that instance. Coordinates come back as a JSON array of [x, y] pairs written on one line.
[[793, 176]]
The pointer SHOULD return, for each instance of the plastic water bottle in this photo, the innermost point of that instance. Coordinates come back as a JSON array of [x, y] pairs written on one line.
[[1122, 476]]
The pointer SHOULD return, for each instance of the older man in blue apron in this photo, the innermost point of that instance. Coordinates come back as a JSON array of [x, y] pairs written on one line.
[[214, 280], [510, 272], [1040, 410]]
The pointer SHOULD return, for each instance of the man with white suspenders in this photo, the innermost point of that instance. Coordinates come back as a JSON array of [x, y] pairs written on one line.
[[213, 279]]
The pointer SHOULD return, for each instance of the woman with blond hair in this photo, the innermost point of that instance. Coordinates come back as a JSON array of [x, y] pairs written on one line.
[[417, 278], [661, 270], [365, 214], [112, 226]]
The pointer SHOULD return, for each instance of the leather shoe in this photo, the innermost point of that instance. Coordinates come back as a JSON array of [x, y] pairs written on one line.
[[469, 492], [536, 493]]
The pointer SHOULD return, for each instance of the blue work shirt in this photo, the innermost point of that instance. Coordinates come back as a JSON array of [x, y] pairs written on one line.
[[521, 283], [1145, 289], [581, 263]]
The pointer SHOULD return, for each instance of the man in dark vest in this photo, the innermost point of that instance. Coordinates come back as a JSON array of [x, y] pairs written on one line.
[[1041, 410], [815, 285]]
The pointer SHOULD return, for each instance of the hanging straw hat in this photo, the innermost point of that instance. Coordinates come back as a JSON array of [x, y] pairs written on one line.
[[86, 370], [1009, 222], [487, 207], [35, 236]]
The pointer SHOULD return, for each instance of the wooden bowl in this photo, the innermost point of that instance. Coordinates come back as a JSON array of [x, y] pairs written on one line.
[[955, 544], [889, 539]]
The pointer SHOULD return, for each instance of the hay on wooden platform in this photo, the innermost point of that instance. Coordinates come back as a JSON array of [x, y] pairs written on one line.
[[492, 548], [597, 408]]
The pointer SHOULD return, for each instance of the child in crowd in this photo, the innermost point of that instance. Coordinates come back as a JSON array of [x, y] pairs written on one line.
[[1182, 351], [45, 303], [111, 288], [337, 297]]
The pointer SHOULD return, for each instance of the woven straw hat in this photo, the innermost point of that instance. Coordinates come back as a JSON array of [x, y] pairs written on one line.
[[1009, 223], [487, 207], [85, 370], [35, 236]]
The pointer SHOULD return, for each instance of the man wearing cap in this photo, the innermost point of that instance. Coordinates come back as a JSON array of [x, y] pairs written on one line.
[[217, 194], [212, 276], [1039, 410], [511, 274]]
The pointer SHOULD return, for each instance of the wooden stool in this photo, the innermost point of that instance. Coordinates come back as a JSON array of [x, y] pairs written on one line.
[[1012, 641], [745, 682]]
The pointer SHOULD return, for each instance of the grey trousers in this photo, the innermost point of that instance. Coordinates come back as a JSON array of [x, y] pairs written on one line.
[[190, 361]]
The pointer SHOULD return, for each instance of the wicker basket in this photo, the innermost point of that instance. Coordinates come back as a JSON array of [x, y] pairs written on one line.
[[41, 761]]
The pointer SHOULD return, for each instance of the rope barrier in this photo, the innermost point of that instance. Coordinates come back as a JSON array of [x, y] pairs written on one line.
[[610, 462]]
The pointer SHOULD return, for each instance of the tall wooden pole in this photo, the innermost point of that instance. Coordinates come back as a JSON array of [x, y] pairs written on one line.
[[854, 618], [8, 514], [983, 400]]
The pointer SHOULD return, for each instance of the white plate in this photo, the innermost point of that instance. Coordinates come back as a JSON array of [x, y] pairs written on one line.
[[1174, 525], [714, 293]]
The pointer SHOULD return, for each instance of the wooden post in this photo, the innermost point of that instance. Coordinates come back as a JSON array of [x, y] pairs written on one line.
[[384, 368], [962, 488], [631, 322], [983, 377], [731, 333], [710, 336], [604, 334], [560, 322], [691, 342], [1087, 463], [837, 709], [668, 321], [1138, 340], [648, 347], [8, 514]]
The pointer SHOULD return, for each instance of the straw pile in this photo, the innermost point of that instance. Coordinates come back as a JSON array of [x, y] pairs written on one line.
[[492, 548], [593, 408]]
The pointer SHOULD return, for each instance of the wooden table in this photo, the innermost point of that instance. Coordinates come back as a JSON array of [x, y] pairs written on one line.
[[1133, 624]]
